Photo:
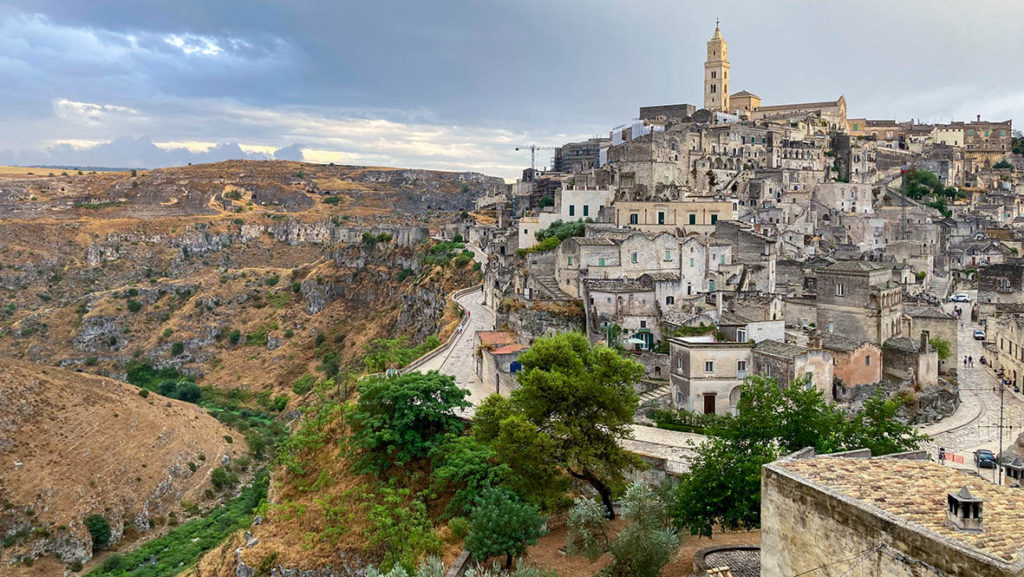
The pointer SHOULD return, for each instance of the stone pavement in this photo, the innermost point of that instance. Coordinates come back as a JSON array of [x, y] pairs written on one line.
[[460, 360], [975, 425]]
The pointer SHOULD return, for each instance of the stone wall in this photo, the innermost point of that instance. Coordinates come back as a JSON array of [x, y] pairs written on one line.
[[804, 527]]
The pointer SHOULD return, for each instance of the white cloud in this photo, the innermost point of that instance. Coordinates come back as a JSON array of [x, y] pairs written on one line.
[[91, 113], [193, 44]]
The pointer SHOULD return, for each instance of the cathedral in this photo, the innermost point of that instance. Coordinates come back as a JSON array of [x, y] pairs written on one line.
[[745, 104]]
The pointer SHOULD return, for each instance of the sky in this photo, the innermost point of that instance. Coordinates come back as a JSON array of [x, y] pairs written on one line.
[[458, 85]]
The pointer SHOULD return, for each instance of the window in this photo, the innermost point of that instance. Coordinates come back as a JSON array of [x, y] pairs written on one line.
[[713, 89], [741, 336], [691, 261], [600, 262], [855, 126], [867, 361], [723, 259], [1002, 133], [689, 289], [670, 300], [570, 261], [840, 289], [586, 210], [741, 367], [831, 327], [643, 324], [693, 218], [709, 366], [526, 231], [572, 210], [668, 255], [714, 219], [711, 286], [634, 218], [634, 257], [661, 218]]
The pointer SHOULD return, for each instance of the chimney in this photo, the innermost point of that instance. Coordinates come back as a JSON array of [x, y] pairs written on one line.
[[1015, 473], [815, 340], [924, 341], [964, 511]]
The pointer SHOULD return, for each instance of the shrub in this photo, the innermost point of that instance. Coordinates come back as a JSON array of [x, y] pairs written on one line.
[[222, 479], [168, 332], [296, 286], [280, 402], [405, 273], [303, 384], [177, 348], [459, 526], [91, 361], [99, 530], [112, 563], [143, 393], [271, 281], [462, 260], [235, 336]]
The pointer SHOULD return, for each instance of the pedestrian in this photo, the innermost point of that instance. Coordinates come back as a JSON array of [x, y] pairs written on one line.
[[970, 360], [965, 361]]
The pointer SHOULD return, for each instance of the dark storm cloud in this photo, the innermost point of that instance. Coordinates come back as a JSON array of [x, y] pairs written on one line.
[[459, 84]]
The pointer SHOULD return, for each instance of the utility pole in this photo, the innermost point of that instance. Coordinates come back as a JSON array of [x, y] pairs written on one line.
[[903, 203], [1000, 426]]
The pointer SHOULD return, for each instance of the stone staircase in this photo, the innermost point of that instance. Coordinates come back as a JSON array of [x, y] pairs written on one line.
[[659, 395], [548, 288], [940, 287]]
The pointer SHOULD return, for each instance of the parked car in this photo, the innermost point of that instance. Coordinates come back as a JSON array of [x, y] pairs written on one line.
[[960, 298], [979, 335], [985, 459]]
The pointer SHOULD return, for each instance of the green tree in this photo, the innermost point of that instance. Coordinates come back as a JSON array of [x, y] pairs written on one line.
[[501, 524], [465, 466], [399, 527], [649, 542], [941, 346], [723, 485], [99, 530], [399, 419], [876, 427], [574, 406]]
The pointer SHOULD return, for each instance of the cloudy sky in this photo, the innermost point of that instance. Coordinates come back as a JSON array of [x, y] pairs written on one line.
[[457, 85]]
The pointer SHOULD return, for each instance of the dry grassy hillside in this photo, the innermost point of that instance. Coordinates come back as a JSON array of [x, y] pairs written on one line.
[[72, 445]]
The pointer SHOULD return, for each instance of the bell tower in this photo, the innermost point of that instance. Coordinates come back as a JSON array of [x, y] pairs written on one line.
[[716, 74]]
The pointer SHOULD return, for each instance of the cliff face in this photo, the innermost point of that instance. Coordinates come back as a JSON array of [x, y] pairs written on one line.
[[244, 276], [73, 445]]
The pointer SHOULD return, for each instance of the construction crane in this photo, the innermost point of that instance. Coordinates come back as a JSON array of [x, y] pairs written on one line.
[[533, 148]]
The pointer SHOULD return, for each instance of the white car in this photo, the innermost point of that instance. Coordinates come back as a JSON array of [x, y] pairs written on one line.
[[960, 298]]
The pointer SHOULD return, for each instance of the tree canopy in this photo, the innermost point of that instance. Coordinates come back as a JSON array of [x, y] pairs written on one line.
[[399, 419], [575, 404], [723, 485], [501, 524]]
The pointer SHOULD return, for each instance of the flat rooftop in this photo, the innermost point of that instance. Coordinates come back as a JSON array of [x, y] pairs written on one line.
[[915, 491]]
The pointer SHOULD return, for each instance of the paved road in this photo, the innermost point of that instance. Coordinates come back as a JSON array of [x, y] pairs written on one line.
[[460, 360], [975, 425]]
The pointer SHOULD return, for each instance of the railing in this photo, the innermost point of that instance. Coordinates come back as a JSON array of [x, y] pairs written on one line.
[[447, 345]]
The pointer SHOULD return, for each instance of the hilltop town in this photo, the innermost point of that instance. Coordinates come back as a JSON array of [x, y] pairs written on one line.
[[728, 339]]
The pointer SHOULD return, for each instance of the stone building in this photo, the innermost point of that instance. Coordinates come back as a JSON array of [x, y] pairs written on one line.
[[855, 363], [832, 113], [898, 516], [706, 375], [497, 354], [1006, 333], [1001, 287], [716, 74], [858, 300], [698, 215], [910, 359], [986, 143], [786, 362], [845, 197], [625, 303], [576, 157], [940, 325]]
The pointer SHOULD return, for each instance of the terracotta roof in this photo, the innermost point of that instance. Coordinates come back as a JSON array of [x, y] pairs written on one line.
[[509, 349], [916, 491], [742, 93], [495, 338]]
